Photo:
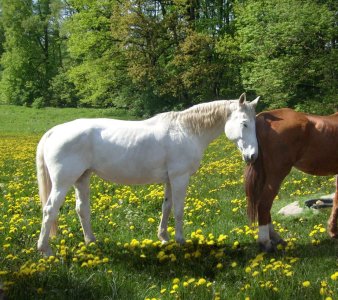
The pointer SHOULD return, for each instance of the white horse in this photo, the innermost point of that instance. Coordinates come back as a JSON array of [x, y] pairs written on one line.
[[166, 148]]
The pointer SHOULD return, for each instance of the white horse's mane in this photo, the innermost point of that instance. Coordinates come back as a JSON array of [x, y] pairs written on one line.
[[201, 116]]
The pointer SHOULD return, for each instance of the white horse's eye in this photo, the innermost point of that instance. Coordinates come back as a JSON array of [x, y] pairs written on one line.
[[245, 125]]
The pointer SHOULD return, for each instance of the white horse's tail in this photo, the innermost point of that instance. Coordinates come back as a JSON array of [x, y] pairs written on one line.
[[44, 182]]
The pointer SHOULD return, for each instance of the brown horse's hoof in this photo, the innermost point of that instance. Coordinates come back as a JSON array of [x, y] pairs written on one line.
[[332, 230], [279, 242], [267, 247], [333, 235]]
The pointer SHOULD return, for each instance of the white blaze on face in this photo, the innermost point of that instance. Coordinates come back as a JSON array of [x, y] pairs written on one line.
[[240, 128]]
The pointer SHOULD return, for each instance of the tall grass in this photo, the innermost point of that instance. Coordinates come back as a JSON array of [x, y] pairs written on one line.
[[221, 259]]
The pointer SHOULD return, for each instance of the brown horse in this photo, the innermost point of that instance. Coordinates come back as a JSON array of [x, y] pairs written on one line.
[[289, 139]]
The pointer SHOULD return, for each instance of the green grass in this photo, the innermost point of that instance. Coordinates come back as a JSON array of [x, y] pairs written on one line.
[[22, 120], [127, 262]]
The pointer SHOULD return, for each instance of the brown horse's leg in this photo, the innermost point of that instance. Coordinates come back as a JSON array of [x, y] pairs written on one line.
[[267, 237], [332, 223]]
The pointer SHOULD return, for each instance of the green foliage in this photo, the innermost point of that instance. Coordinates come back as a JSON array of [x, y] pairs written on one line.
[[151, 56], [31, 57], [96, 59], [288, 52]]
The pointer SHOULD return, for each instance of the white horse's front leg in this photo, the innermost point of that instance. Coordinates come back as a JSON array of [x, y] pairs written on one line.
[[179, 189], [166, 209]]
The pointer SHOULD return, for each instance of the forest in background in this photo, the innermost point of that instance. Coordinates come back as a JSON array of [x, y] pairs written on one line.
[[149, 56]]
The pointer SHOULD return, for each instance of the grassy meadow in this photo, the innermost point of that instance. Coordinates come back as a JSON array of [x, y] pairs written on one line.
[[220, 260]]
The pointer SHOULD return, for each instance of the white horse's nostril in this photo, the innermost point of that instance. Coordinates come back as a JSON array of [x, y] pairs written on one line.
[[249, 158]]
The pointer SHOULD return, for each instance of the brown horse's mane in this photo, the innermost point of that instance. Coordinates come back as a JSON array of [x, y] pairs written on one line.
[[254, 178]]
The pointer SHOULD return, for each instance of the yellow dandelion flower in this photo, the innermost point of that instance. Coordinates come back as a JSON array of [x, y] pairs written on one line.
[[201, 281], [306, 283], [219, 266], [191, 280], [255, 273], [176, 280], [334, 276]]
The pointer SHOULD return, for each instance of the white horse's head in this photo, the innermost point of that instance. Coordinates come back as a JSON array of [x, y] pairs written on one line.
[[240, 128]]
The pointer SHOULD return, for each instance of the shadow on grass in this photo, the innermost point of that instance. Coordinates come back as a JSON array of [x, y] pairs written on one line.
[[131, 269], [201, 260]]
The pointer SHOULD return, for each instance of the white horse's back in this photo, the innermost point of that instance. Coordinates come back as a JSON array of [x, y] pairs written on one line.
[[126, 152]]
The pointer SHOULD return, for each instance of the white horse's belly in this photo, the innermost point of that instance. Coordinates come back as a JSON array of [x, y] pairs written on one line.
[[138, 177], [128, 170]]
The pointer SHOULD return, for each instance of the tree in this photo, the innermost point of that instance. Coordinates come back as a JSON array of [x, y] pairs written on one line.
[[289, 54], [95, 61], [171, 50], [31, 50]]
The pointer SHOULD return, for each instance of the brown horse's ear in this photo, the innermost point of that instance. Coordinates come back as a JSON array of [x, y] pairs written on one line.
[[242, 98], [254, 102]]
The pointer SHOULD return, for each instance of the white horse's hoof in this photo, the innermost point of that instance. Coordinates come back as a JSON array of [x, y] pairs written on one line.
[[163, 236], [89, 240], [180, 241], [46, 252]]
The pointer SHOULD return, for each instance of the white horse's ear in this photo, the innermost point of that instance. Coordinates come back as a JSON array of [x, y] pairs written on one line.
[[242, 98], [254, 102]]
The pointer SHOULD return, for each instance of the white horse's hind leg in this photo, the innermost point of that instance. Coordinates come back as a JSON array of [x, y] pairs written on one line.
[[83, 206], [50, 212], [166, 209], [179, 188]]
